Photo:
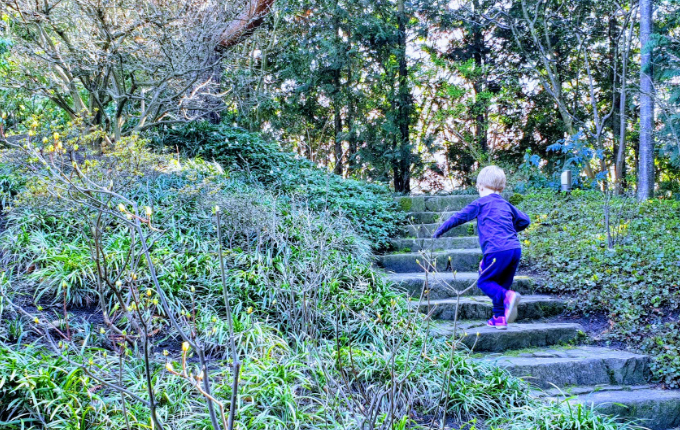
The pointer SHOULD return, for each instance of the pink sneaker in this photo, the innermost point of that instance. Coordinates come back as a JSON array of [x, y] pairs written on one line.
[[498, 322], [511, 302]]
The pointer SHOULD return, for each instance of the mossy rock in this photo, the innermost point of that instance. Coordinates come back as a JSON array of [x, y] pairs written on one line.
[[406, 203]]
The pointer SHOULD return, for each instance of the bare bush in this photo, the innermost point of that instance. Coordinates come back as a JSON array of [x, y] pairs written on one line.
[[139, 63]]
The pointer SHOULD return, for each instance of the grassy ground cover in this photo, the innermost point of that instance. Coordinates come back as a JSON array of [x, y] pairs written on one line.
[[618, 257], [114, 309]]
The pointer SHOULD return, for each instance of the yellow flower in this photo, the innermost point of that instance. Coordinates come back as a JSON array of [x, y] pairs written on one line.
[[185, 346], [36, 320], [55, 136], [250, 310], [121, 207], [165, 352], [169, 367], [148, 211], [148, 292], [102, 331], [45, 140]]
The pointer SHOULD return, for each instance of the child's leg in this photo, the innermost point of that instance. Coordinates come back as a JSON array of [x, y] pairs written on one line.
[[508, 276], [490, 276]]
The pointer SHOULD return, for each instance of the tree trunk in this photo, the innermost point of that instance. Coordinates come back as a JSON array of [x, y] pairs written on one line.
[[337, 108], [403, 107], [481, 125], [646, 164], [337, 147]]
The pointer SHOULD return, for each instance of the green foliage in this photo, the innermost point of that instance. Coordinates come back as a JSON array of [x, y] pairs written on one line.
[[635, 282], [310, 315], [34, 385], [369, 207]]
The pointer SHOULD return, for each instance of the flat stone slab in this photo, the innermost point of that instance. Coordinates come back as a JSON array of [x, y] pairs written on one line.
[[435, 203], [426, 244], [428, 217], [442, 285], [653, 408], [561, 393], [581, 366], [464, 260], [517, 336], [426, 230], [481, 308]]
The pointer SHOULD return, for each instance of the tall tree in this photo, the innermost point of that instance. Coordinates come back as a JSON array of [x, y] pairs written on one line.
[[646, 161]]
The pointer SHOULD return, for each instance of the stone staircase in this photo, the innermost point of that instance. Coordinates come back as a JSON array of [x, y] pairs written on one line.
[[548, 354]]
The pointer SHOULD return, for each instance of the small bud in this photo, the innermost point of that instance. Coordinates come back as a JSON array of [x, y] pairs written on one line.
[[169, 367], [119, 283], [36, 320], [148, 292], [249, 310], [102, 331], [165, 352], [185, 346], [148, 211], [121, 207]]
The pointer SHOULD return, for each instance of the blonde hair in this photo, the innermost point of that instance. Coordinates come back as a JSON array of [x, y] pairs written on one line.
[[492, 177]]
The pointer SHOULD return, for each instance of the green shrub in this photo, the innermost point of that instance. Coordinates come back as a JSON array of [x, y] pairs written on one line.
[[369, 207], [636, 282]]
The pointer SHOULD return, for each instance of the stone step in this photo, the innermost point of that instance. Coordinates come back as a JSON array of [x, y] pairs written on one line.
[[517, 336], [435, 203], [415, 245], [480, 308], [428, 217], [426, 230], [652, 408], [442, 285], [565, 393], [464, 260], [580, 366]]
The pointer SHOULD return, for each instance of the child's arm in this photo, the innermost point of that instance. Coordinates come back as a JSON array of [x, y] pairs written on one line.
[[520, 219], [468, 213]]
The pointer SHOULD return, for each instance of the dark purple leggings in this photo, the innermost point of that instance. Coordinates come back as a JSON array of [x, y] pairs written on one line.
[[496, 277]]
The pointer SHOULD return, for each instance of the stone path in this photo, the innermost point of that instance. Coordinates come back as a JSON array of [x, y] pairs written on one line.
[[544, 352]]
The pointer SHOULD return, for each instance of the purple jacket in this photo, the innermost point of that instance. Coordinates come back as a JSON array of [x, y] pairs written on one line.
[[497, 223]]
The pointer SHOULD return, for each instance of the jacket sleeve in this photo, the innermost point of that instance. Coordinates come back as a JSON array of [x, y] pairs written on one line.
[[468, 213], [520, 219]]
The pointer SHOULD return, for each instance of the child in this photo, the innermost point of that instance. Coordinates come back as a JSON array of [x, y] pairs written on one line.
[[497, 223]]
